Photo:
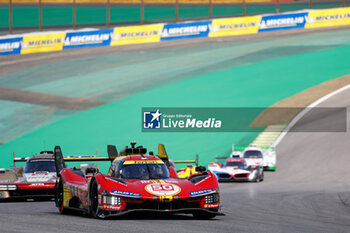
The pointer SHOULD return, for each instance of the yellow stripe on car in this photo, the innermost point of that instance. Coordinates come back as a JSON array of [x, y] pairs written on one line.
[[143, 162]]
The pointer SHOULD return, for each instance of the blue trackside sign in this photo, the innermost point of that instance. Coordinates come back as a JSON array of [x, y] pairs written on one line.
[[10, 46], [88, 38], [174, 31], [283, 21]]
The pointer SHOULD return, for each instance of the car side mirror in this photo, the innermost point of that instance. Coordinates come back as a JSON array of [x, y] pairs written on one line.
[[200, 169]]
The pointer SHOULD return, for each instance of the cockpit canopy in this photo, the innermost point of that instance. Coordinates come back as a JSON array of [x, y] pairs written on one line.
[[37, 165], [239, 163], [252, 154], [143, 170]]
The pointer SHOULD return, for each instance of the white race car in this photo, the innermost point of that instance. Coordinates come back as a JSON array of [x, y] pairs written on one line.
[[257, 156], [236, 169], [36, 180]]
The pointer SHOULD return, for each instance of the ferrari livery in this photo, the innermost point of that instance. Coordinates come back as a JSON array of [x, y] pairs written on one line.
[[136, 182]]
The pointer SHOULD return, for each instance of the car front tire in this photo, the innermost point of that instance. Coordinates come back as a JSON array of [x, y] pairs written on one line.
[[94, 200]]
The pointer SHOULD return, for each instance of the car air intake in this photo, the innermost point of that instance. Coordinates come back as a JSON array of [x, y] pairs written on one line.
[[224, 175], [241, 175]]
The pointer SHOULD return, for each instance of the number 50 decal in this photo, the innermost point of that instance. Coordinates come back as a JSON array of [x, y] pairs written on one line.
[[163, 189]]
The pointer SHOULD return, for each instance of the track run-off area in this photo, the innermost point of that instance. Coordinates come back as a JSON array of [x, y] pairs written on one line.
[[85, 99]]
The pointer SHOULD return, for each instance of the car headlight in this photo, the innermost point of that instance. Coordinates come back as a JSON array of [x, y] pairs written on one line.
[[212, 198], [111, 200], [8, 187]]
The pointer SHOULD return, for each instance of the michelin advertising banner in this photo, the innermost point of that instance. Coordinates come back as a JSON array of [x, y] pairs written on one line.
[[328, 18], [282, 21], [88, 38], [176, 31], [137, 34], [42, 43], [56, 41], [235, 26], [10, 46]]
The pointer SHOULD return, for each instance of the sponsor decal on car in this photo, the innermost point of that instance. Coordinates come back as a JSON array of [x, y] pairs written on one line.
[[211, 205], [124, 193], [111, 207], [143, 162], [146, 181], [163, 189], [201, 192], [37, 184]]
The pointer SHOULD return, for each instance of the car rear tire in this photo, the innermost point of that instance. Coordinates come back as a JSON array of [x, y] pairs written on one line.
[[59, 198]]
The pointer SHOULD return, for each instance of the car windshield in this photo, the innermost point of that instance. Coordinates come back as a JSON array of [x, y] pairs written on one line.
[[47, 165], [253, 154], [143, 171], [235, 164]]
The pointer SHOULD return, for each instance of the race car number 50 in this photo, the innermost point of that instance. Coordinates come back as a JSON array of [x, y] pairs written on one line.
[[163, 189]]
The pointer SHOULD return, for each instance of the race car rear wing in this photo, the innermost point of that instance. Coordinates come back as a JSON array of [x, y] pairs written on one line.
[[25, 159], [189, 161], [17, 160], [60, 161]]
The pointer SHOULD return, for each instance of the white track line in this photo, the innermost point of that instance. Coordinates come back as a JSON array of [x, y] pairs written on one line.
[[306, 110]]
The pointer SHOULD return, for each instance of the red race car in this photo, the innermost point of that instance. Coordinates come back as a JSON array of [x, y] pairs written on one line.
[[136, 182]]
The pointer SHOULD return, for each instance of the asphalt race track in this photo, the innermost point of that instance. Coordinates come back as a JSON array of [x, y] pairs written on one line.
[[309, 192]]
